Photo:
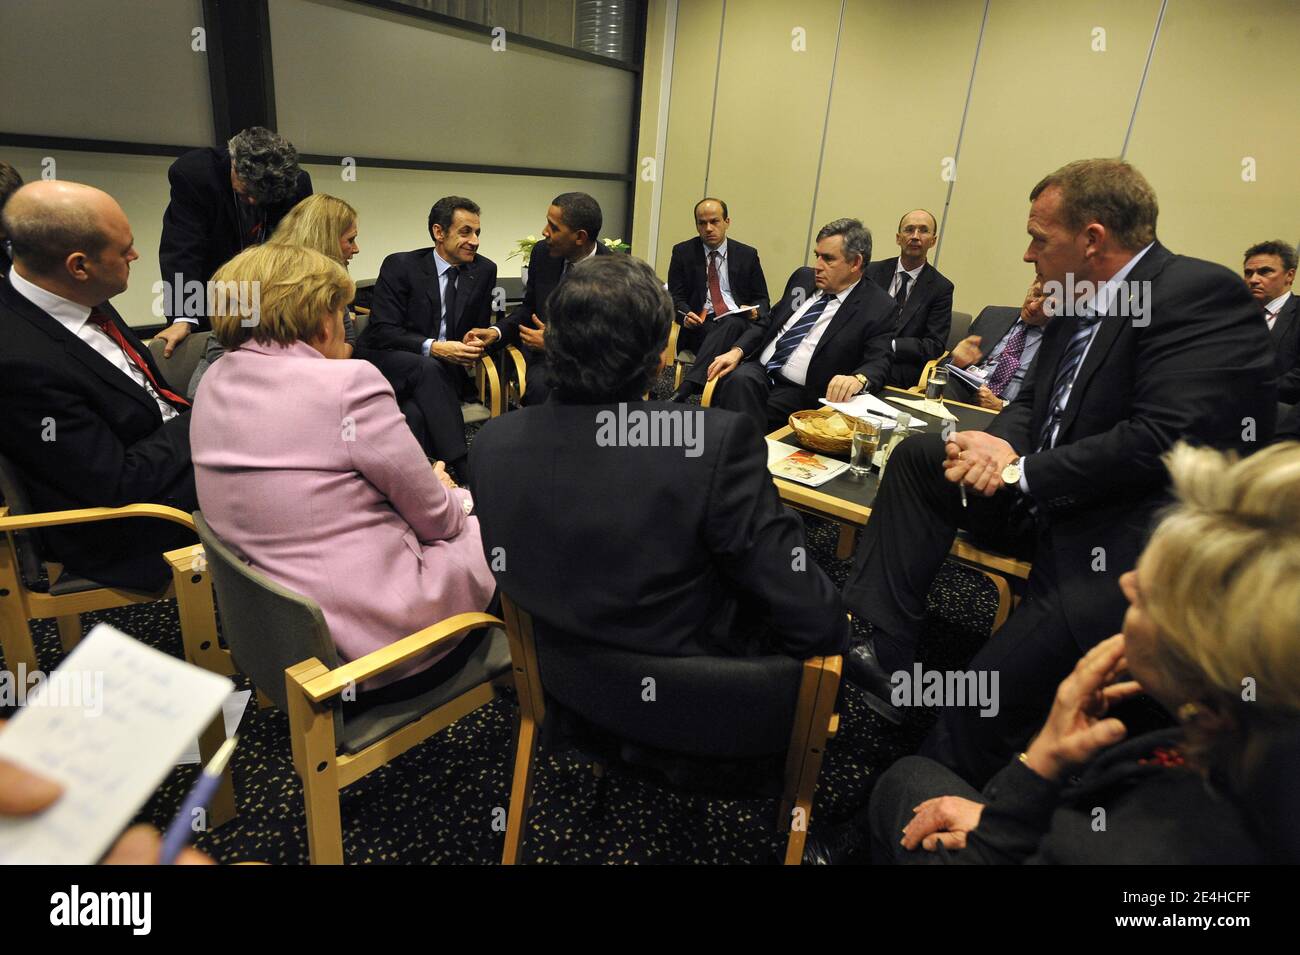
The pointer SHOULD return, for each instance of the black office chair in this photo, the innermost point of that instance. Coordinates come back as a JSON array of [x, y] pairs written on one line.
[[725, 708]]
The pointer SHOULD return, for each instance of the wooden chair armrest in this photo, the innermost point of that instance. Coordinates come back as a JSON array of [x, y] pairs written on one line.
[[87, 515], [706, 399], [674, 330], [488, 369], [384, 659], [521, 368], [360, 309]]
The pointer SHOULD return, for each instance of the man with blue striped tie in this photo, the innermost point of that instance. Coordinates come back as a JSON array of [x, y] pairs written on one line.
[[829, 336], [1147, 347]]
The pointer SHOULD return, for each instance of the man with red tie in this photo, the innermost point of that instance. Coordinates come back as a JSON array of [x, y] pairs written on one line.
[[89, 419]]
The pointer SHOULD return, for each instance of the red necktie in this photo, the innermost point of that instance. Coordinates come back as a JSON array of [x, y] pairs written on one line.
[[715, 287], [106, 323]]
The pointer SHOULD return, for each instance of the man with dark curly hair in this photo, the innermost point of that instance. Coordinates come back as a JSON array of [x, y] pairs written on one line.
[[222, 202]]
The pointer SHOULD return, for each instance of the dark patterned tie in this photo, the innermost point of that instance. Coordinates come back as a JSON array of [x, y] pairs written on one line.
[[796, 333], [449, 303], [901, 295], [1009, 359], [1065, 373]]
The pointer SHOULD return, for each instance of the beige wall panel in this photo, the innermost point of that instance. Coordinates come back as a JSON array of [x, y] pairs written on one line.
[[899, 88], [393, 206], [395, 86], [1221, 89], [139, 184], [1042, 97], [695, 60], [652, 102], [104, 69], [768, 127]]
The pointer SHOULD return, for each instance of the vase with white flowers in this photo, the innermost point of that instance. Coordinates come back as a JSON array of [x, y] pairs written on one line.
[[524, 248]]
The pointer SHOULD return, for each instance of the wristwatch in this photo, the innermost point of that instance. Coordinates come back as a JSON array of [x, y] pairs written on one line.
[[862, 380], [1011, 473]]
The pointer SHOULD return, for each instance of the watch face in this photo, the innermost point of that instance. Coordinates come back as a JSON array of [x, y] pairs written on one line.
[[1011, 474]]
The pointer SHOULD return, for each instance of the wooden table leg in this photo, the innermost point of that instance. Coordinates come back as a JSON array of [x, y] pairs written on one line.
[[848, 542]]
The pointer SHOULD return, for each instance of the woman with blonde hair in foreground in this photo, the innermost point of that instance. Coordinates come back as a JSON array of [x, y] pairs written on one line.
[[1212, 634], [307, 469], [325, 224]]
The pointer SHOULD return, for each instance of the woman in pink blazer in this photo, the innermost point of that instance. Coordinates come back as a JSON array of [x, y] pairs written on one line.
[[306, 467]]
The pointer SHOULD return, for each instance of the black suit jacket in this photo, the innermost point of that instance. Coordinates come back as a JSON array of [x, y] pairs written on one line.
[[406, 306], [647, 548], [923, 322], [688, 276], [1196, 368], [83, 434], [992, 324], [856, 341], [1286, 343], [544, 274], [201, 230]]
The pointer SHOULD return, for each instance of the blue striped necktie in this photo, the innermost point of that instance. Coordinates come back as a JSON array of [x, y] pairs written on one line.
[[1065, 374], [796, 333]]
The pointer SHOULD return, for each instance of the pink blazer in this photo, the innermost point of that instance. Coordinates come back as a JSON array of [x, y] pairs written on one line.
[[305, 466]]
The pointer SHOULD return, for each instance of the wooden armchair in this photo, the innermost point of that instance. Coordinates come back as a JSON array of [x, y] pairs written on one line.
[[721, 707], [281, 641], [64, 597]]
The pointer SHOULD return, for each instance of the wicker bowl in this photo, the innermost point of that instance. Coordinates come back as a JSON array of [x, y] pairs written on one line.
[[815, 441]]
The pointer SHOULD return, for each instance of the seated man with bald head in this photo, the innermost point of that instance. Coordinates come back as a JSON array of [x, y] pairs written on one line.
[[89, 419]]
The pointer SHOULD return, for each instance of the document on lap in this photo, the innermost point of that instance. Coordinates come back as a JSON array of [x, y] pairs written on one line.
[[108, 725], [972, 375], [735, 311]]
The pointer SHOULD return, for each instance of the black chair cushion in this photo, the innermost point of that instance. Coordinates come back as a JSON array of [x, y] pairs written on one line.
[[489, 660], [720, 707]]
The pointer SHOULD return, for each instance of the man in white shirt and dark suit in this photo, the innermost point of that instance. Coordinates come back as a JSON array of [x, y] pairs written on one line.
[[89, 419], [1269, 270], [922, 294]]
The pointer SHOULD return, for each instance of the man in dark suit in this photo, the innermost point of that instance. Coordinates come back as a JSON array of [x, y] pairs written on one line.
[[1269, 270], [222, 202], [571, 235], [827, 337], [1150, 347], [712, 275], [680, 544], [89, 420], [923, 295], [423, 306], [1016, 334], [10, 182]]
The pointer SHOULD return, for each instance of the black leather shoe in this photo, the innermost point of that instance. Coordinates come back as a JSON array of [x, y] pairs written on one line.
[[863, 670], [835, 845]]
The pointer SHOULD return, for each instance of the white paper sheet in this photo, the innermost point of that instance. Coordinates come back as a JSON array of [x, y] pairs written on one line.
[[232, 711], [109, 725], [864, 404]]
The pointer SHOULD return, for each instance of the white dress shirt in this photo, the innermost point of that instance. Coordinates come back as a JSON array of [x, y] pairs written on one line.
[[724, 280], [74, 318], [796, 366]]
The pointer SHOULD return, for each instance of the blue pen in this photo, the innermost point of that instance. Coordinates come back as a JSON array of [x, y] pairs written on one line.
[[179, 832]]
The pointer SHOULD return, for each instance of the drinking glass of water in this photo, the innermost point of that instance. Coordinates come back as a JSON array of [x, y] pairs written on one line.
[[866, 441], [935, 385]]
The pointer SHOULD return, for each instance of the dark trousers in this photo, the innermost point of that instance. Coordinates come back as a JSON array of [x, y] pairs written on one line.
[[750, 391], [538, 386], [914, 520], [716, 338], [429, 397], [908, 783]]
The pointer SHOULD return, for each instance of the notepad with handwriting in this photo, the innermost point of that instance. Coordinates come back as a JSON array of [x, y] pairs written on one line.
[[109, 725]]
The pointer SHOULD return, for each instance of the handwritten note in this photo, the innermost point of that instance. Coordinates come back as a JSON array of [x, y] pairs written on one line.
[[108, 724]]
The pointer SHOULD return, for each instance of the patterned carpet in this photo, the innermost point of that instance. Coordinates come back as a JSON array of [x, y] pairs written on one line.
[[436, 803]]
